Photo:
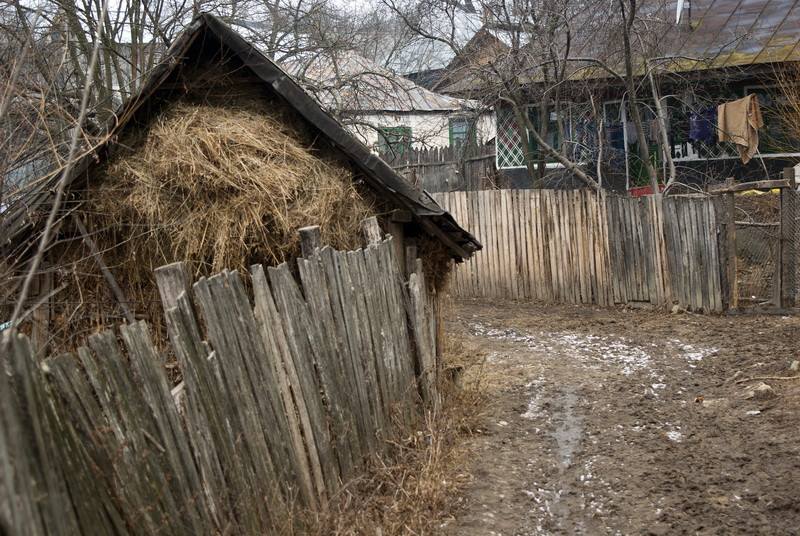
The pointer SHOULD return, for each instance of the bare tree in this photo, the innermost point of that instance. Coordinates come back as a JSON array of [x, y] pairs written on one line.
[[66, 69]]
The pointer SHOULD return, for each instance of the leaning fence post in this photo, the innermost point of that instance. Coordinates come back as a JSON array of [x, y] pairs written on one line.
[[788, 251], [371, 231], [172, 280]]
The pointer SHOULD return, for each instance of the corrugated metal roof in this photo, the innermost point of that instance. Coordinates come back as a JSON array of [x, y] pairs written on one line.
[[348, 82], [712, 34], [737, 33]]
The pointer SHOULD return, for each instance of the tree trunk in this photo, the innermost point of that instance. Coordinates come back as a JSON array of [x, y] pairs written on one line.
[[630, 85]]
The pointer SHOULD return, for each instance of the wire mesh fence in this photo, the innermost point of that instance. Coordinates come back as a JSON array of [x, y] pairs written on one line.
[[790, 214], [758, 232]]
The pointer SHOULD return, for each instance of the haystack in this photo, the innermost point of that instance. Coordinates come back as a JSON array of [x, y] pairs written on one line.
[[216, 187], [224, 187]]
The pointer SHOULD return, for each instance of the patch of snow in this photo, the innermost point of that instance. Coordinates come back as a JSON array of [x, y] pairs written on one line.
[[675, 435], [593, 350], [534, 411], [692, 352]]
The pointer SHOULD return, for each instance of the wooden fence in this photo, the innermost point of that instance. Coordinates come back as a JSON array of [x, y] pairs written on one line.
[[578, 246], [281, 402], [446, 169]]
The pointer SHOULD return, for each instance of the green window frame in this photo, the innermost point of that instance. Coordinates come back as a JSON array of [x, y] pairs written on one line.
[[551, 137], [394, 140]]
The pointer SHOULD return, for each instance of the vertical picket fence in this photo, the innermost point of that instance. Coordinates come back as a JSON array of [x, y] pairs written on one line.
[[445, 169], [283, 399], [579, 246]]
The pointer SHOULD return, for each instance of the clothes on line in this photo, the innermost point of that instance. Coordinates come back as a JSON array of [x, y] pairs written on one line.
[[654, 130], [739, 122], [703, 126]]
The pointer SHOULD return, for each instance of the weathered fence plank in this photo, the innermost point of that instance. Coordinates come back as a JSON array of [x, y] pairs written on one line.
[[421, 314], [49, 483], [297, 409], [301, 350], [445, 169]]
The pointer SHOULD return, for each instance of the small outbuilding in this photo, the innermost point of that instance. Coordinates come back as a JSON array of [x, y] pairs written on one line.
[[217, 160]]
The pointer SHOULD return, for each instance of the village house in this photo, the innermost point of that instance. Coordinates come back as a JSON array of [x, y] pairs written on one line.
[[708, 53], [388, 112]]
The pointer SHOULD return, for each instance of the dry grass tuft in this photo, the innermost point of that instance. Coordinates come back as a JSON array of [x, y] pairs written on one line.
[[437, 262], [413, 487]]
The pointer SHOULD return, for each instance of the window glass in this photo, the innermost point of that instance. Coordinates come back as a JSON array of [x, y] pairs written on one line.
[[462, 131], [510, 140]]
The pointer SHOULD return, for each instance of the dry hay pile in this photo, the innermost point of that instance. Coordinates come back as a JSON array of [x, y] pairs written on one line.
[[218, 187], [224, 187]]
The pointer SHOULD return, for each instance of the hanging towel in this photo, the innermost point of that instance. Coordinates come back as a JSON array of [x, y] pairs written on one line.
[[739, 122]]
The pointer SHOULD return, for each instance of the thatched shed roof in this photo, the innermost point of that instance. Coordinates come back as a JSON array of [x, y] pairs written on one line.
[[208, 36]]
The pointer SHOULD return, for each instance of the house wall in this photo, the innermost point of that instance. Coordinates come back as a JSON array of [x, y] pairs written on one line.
[[696, 164], [427, 130]]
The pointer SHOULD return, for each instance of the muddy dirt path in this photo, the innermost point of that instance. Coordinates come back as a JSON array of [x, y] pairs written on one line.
[[630, 422]]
